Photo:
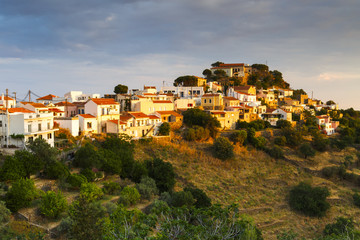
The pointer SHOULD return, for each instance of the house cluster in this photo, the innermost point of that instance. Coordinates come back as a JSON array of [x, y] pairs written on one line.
[[140, 112]]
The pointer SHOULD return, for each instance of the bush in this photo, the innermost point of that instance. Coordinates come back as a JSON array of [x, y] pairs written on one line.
[[239, 136], [139, 170], [164, 129], [75, 180], [56, 170], [20, 195], [281, 141], [275, 152], [89, 174], [90, 192], [293, 136], [4, 214], [356, 198], [306, 150], [180, 199], [52, 204], [196, 133], [162, 172], [200, 197], [111, 188], [223, 148], [259, 142], [320, 143], [329, 172], [309, 200], [341, 227], [12, 169], [129, 196], [283, 124], [87, 157], [147, 188], [197, 117]]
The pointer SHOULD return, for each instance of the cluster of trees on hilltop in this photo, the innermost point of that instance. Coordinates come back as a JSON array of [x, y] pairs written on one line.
[[263, 78]]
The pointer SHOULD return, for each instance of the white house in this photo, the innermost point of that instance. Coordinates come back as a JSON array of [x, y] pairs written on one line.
[[70, 123], [103, 109], [324, 122], [19, 125], [10, 102], [184, 92], [273, 115], [79, 96], [87, 123]]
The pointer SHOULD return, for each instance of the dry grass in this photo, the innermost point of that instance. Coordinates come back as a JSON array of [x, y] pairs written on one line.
[[258, 183]]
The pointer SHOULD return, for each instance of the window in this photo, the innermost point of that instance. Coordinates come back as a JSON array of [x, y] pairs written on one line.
[[89, 125], [40, 136], [49, 136], [204, 100], [39, 127], [48, 125], [209, 100], [0, 123], [29, 128]]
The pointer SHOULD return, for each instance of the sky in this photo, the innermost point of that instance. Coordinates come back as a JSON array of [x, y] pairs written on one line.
[[55, 46]]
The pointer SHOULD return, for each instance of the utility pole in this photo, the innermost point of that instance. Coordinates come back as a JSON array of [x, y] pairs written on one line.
[[7, 117], [29, 96], [15, 96]]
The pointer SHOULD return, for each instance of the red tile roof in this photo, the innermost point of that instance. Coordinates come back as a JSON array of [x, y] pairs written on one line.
[[37, 105], [17, 110], [64, 104], [149, 87], [87, 116], [47, 97], [231, 98], [162, 101], [104, 101], [125, 118], [6, 98], [169, 113], [239, 88], [55, 110], [217, 112], [117, 122], [229, 65], [138, 115], [211, 95], [153, 117]]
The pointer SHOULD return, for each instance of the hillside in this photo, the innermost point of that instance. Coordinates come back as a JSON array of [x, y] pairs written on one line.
[[258, 183]]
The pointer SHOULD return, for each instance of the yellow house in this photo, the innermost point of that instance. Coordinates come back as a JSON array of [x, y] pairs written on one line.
[[212, 101], [246, 89], [227, 119], [231, 101], [200, 81]]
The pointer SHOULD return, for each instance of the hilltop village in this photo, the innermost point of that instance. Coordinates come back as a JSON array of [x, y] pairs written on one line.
[[231, 93]]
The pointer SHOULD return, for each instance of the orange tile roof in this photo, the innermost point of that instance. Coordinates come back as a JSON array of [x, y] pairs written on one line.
[[153, 117], [231, 98], [17, 110], [211, 95], [37, 105], [138, 115], [47, 97], [238, 88], [149, 94], [117, 122], [87, 116], [162, 101], [125, 118], [104, 101], [169, 113], [64, 104], [149, 87], [218, 112], [6, 98], [55, 110]]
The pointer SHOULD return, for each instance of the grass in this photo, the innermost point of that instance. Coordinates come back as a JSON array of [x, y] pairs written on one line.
[[256, 182]]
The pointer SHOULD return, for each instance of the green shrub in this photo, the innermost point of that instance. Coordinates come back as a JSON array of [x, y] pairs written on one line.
[[139, 170], [259, 142], [75, 180], [88, 157], [164, 129], [200, 197], [320, 143], [129, 196], [20, 195], [90, 192], [12, 169], [223, 148], [281, 141], [196, 133], [197, 117], [356, 198], [329, 172], [306, 150], [283, 124], [239, 136], [4, 213], [56, 170], [111, 188], [89, 174], [180, 199], [275, 152], [309, 200], [147, 188], [340, 227], [52, 204], [293, 136], [162, 172]]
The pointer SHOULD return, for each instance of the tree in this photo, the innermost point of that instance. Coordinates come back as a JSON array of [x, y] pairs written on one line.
[[85, 220], [180, 199], [275, 152], [330, 102], [223, 148], [12, 169], [4, 214], [129, 196], [90, 192], [43, 151], [198, 117], [20, 195], [309, 200], [239, 136], [147, 188], [76, 180], [52, 204], [120, 89], [306, 150], [162, 172], [186, 81], [283, 123], [87, 157], [342, 226], [200, 197], [164, 129], [207, 73], [216, 64]]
